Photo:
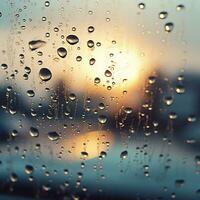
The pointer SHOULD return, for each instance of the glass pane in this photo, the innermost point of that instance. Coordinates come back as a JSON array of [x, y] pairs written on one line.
[[99, 99]]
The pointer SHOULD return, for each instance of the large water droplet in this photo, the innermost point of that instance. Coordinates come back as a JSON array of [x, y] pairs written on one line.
[[34, 132], [141, 5], [92, 61], [90, 43], [72, 39], [30, 93], [90, 29], [102, 119], [168, 100], [97, 80], [180, 7], [169, 27], [124, 154], [84, 154], [180, 89], [35, 44], [163, 15], [62, 52], [53, 136], [108, 73], [28, 169], [45, 74]]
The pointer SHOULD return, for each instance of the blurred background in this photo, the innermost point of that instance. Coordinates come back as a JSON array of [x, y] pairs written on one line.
[[99, 99]]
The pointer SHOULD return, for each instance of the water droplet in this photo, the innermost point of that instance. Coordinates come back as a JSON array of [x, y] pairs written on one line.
[[78, 58], [90, 29], [141, 5], [191, 118], [47, 3], [53, 136], [103, 154], [28, 169], [30, 93], [14, 133], [62, 52], [152, 79], [108, 73], [72, 96], [180, 89], [4, 66], [72, 39], [84, 154], [35, 44], [45, 74], [128, 110], [102, 119], [34, 132], [163, 15], [124, 154], [169, 27], [97, 80], [168, 100], [90, 43], [180, 7], [92, 61], [13, 177], [172, 115], [101, 106], [180, 78], [27, 70], [46, 187]]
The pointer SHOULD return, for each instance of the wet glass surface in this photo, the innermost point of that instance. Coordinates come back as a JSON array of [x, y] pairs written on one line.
[[99, 99]]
